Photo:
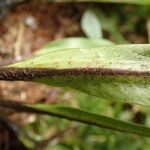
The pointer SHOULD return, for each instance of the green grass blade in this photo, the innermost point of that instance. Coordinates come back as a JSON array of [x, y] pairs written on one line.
[[78, 115], [92, 119]]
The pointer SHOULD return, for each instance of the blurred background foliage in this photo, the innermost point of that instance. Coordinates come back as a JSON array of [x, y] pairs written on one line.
[[118, 23]]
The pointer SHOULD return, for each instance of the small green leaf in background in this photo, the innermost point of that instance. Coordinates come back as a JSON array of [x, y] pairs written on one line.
[[94, 19], [91, 24], [72, 43]]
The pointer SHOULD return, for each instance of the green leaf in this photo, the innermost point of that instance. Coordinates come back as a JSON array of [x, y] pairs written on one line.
[[92, 119], [72, 43], [139, 2], [91, 24], [79, 116], [107, 23], [113, 72]]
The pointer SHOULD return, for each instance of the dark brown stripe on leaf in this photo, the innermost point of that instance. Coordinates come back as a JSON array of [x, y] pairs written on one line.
[[35, 73]]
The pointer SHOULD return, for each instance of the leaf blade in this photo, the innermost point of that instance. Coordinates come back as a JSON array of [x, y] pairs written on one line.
[[112, 72], [92, 119], [78, 115]]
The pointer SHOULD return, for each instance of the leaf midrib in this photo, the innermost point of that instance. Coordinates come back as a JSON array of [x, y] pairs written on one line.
[[12, 73]]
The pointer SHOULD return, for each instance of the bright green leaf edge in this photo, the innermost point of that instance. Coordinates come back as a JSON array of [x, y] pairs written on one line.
[[74, 42], [138, 2]]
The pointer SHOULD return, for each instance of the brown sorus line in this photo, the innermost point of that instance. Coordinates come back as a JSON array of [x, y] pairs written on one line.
[[35, 73]]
